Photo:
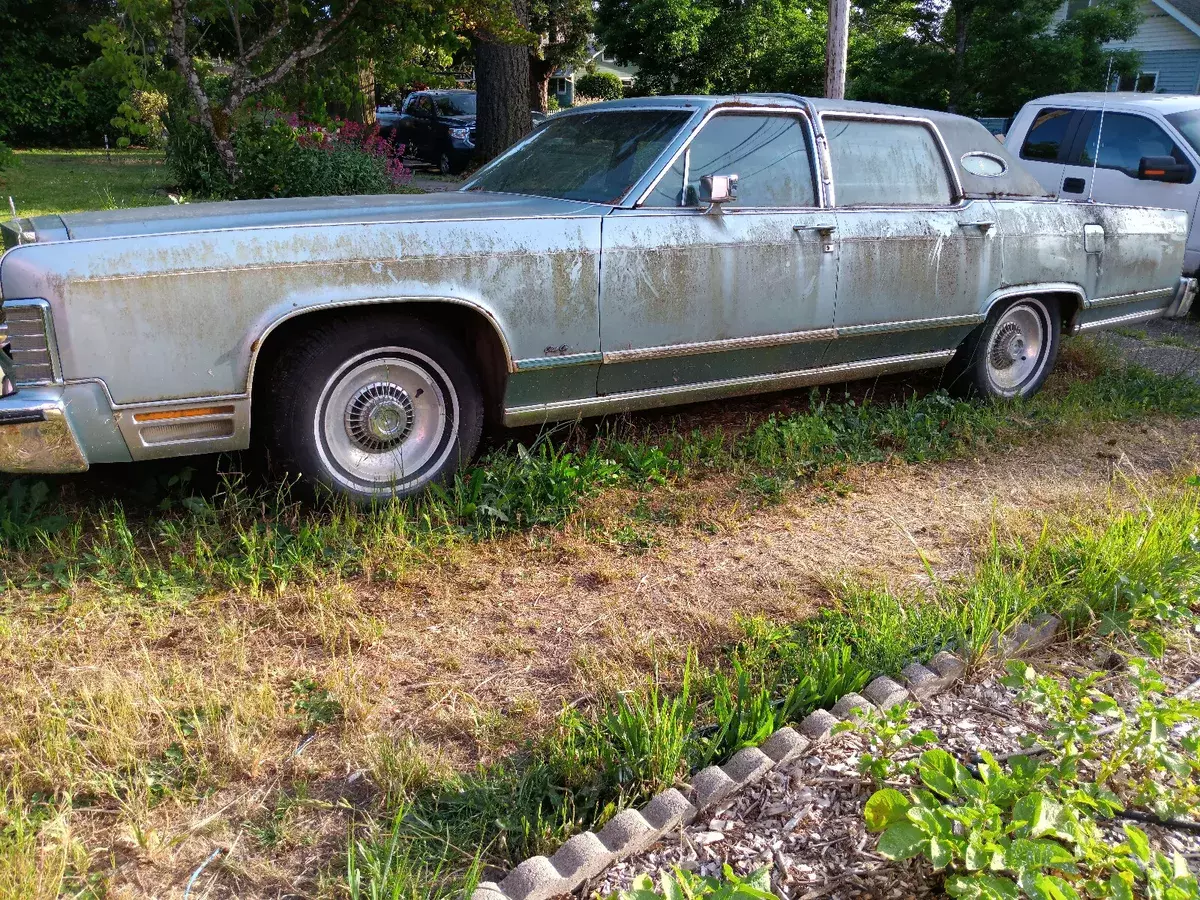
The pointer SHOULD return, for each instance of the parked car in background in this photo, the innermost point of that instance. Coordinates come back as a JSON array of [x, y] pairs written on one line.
[[1149, 151], [626, 255]]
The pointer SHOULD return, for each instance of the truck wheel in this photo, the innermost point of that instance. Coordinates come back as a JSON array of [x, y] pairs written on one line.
[[375, 407], [1012, 353]]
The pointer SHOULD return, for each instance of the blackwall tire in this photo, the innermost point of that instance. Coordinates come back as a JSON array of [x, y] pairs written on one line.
[[374, 407], [1011, 354]]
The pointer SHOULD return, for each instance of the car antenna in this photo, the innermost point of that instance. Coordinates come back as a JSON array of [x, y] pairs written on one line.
[[1100, 130]]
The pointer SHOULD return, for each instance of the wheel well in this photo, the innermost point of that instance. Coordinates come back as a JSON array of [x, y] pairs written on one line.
[[475, 332], [1069, 304]]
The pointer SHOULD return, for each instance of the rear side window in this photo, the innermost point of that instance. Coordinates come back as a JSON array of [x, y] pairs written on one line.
[[1124, 140], [886, 164], [1047, 135]]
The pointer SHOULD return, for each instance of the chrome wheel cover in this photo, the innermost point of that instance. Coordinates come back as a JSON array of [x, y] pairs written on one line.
[[386, 420], [1018, 347]]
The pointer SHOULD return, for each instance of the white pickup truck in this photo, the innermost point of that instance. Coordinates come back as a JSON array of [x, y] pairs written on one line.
[[1149, 151]]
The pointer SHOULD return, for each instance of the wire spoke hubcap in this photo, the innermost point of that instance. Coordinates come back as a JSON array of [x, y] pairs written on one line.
[[1016, 353], [379, 417]]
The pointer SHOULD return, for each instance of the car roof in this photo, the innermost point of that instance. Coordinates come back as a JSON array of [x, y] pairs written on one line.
[[1163, 103]]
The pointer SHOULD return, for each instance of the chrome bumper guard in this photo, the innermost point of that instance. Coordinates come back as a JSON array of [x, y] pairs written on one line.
[[1185, 294], [35, 431]]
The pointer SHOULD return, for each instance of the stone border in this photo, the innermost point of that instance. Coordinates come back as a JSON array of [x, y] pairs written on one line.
[[631, 831]]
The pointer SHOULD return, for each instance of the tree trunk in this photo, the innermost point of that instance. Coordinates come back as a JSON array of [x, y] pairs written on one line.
[[958, 89], [501, 91], [539, 83]]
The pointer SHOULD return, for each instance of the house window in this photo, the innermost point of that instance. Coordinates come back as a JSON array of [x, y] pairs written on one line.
[[558, 85], [607, 57], [1142, 82]]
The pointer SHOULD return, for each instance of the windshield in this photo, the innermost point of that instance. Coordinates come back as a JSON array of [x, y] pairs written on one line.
[[1188, 124], [455, 104], [596, 157]]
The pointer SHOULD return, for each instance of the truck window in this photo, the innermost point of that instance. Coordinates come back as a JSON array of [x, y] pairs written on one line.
[[1046, 135], [768, 153], [886, 164], [1124, 140]]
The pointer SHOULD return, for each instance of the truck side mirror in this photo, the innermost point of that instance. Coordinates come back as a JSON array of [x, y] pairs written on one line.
[[1164, 168]]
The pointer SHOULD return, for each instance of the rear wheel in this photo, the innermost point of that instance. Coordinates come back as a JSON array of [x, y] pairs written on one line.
[[379, 406], [1012, 353]]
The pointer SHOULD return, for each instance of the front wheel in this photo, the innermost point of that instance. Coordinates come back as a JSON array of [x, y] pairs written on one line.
[[1012, 353], [377, 407]]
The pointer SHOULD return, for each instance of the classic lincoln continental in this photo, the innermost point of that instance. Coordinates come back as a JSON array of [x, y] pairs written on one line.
[[626, 255]]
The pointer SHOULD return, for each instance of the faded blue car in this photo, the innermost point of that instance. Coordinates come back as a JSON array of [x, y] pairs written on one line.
[[626, 255]]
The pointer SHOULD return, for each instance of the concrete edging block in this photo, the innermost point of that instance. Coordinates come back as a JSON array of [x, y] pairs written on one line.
[[817, 725], [710, 786], [580, 858], [628, 833], [885, 693], [668, 810], [785, 745], [747, 766], [487, 890], [948, 667], [534, 879], [920, 681], [852, 707]]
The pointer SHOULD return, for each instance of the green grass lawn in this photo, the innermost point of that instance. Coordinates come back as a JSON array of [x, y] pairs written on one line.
[[59, 181]]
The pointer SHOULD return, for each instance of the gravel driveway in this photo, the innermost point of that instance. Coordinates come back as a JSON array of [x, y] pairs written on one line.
[[1166, 346]]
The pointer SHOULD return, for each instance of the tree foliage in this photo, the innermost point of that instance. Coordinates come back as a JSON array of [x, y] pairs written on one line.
[[562, 29], [982, 57], [42, 56]]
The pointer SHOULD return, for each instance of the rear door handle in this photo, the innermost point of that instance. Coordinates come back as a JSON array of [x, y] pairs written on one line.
[[981, 225], [1073, 185], [823, 227]]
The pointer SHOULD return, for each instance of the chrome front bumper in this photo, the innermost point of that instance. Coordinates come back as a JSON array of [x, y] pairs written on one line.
[[35, 432]]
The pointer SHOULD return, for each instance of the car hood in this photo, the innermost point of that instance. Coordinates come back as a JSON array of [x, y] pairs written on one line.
[[386, 208]]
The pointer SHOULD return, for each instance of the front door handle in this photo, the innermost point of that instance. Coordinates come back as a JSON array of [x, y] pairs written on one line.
[[826, 228], [1073, 185], [983, 225]]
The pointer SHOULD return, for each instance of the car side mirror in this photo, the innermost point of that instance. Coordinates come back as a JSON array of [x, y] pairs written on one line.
[[718, 189], [1164, 168]]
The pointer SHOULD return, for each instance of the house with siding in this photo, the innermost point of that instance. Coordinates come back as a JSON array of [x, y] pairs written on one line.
[[562, 82], [1168, 41]]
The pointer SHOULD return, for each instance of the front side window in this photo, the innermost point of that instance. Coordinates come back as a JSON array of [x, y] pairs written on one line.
[[769, 154], [595, 157], [886, 164], [1188, 124], [1124, 139], [1046, 135]]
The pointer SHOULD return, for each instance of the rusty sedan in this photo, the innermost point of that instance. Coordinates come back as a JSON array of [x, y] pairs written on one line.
[[624, 256]]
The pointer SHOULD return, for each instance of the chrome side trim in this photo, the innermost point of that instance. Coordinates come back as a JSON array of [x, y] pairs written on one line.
[[1128, 319], [1135, 297], [728, 344], [554, 362], [711, 390], [909, 325], [1024, 290]]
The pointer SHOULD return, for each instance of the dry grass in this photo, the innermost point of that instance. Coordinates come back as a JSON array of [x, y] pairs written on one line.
[[145, 736]]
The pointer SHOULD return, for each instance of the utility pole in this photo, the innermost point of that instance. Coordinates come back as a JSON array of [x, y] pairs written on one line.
[[835, 49]]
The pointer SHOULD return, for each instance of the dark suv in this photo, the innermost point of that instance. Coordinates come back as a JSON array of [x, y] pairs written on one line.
[[438, 127]]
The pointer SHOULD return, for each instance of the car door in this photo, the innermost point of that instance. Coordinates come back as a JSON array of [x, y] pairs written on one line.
[[415, 125], [1046, 146], [1124, 138], [915, 263], [692, 295]]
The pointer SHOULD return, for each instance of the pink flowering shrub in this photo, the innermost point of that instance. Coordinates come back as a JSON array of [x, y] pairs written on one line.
[[282, 155]]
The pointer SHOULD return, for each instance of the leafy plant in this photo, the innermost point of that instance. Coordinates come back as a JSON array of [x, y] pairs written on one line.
[[684, 885], [314, 705], [25, 513], [888, 735]]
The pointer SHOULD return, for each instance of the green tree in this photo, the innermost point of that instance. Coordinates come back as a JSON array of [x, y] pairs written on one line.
[[42, 55], [988, 57], [562, 29]]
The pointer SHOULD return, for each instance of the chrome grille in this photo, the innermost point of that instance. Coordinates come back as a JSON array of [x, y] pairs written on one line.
[[26, 334]]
